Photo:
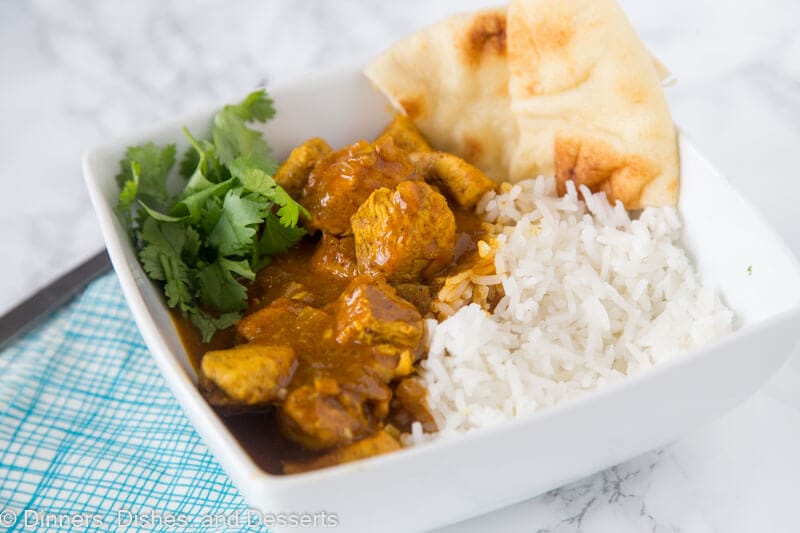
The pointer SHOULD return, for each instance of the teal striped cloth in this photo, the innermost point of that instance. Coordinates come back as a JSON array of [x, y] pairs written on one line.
[[92, 439]]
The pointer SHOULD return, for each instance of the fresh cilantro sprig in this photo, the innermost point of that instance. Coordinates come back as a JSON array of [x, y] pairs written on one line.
[[225, 223]]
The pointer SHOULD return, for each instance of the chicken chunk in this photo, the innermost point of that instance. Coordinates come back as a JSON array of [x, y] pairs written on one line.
[[281, 320], [342, 180], [404, 233], [380, 443], [293, 173], [404, 134], [335, 257], [323, 415], [247, 375], [370, 312], [462, 182], [410, 405]]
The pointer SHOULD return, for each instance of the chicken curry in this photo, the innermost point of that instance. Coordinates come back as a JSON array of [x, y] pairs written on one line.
[[321, 369]]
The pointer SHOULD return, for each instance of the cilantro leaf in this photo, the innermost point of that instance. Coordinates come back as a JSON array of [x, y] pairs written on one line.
[[162, 259], [157, 215], [257, 180], [207, 170], [154, 164], [253, 178], [130, 189], [191, 206], [289, 214], [168, 237], [127, 196], [208, 325], [177, 284], [150, 258], [218, 287], [203, 245], [232, 137], [277, 238], [189, 163], [210, 214], [192, 245], [256, 106], [236, 227]]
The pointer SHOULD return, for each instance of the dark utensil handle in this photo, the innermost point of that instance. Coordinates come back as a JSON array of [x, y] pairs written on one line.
[[46, 300]]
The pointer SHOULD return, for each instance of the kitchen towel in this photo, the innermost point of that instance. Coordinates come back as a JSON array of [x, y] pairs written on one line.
[[91, 437]]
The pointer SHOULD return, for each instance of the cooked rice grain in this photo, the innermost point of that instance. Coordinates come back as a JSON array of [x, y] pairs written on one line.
[[590, 296]]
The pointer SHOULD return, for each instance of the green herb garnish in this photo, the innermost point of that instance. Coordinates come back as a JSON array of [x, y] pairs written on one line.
[[225, 223]]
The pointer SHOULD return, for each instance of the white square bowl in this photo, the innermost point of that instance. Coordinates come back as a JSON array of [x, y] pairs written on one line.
[[442, 482]]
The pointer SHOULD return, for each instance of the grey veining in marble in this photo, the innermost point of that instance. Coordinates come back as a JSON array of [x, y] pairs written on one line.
[[75, 73]]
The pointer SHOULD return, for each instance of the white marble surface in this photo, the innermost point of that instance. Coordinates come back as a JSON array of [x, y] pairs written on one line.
[[77, 72]]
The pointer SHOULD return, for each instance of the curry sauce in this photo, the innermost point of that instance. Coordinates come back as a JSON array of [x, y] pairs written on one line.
[[321, 368], [258, 432]]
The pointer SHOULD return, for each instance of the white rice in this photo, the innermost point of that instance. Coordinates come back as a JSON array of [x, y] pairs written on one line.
[[591, 296]]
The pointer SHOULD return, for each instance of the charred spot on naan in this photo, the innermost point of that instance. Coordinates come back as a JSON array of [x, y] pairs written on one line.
[[544, 51], [485, 36], [602, 168]]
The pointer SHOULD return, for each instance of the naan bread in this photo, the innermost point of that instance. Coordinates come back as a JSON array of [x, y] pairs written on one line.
[[588, 102], [559, 87], [451, 79]]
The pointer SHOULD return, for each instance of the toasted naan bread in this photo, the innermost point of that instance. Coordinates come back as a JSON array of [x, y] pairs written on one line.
[[588, 102], [516, 103], [451, 79]]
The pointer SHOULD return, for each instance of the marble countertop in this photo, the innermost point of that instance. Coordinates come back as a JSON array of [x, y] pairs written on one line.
[[76, 73]]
